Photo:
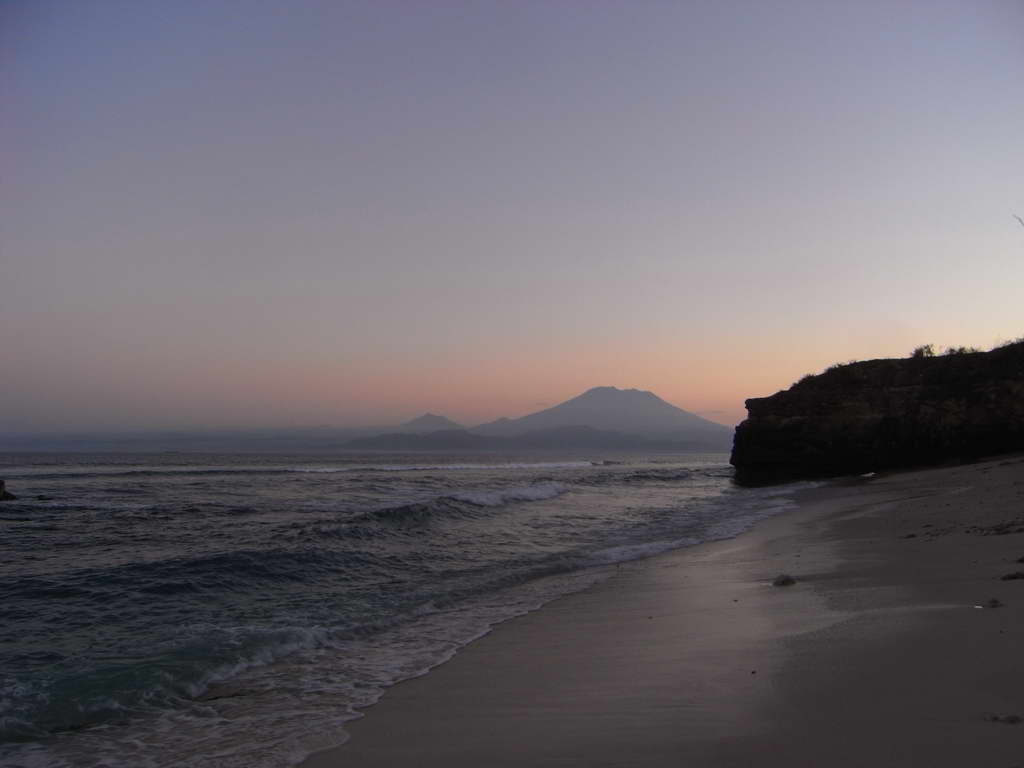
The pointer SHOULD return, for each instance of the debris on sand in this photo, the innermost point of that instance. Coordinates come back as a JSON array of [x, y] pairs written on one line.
[[1013, 576], [783, 580], [999, 529], [1008, 719]]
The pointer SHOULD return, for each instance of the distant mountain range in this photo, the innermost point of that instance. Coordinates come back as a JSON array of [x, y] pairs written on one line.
[[633, 411], [601, 418]]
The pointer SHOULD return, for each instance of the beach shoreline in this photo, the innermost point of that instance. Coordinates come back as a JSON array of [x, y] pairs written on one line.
[[876, 656]]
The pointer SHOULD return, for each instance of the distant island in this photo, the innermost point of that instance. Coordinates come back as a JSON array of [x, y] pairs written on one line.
[[873, 415], [602, 418]]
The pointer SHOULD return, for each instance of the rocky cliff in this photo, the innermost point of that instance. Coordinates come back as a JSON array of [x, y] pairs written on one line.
[[885, 414]]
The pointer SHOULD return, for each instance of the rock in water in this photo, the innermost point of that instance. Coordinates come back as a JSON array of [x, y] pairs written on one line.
[[4, 495]]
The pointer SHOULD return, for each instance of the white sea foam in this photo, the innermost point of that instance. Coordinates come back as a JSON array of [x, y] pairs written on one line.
[[495, 498], [97, 472], [445, 467], [629, 552], [789, 488]]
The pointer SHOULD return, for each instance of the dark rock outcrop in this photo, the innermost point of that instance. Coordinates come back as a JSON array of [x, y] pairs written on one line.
[[885, 414], [4, 495]]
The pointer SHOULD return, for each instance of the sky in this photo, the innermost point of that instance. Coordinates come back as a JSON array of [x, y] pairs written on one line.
[[257, 214]]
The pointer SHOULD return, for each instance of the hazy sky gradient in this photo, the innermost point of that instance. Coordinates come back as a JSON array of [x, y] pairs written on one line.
[[296, 213]]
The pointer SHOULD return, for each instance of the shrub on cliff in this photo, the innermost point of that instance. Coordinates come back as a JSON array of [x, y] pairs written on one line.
[[961, 350], [925, 350]]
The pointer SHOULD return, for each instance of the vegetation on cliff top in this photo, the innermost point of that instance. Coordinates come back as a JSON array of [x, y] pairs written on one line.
[[919, 353]]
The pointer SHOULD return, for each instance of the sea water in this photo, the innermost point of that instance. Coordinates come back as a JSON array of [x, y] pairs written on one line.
[[183, 609]]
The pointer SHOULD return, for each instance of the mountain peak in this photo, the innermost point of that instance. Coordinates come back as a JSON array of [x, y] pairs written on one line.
[[429, 422], [615, 392], [626, 411], [601, 391]]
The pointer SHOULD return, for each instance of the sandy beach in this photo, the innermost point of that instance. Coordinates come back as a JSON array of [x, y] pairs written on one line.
[[880, 654]]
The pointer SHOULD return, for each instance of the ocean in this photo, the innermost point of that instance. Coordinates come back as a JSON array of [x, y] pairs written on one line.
[[237, 610]]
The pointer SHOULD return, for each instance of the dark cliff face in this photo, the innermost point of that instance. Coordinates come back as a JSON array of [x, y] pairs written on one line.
[[885, 414]]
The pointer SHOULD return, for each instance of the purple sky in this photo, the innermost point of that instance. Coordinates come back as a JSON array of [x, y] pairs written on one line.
[[294, 213]]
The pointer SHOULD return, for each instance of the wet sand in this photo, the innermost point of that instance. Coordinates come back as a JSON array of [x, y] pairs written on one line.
[[877, 656]]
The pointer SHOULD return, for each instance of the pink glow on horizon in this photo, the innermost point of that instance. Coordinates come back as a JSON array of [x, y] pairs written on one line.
[[364, 211]]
